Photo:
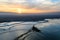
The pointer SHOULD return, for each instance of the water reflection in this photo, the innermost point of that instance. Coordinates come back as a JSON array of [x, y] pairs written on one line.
[[50, 31]]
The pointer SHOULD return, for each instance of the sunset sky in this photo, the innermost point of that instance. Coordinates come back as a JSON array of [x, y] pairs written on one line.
[[29, 6]]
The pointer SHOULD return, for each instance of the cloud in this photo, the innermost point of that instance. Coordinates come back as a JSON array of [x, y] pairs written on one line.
[[44, 4], [37, 4], [40, 4]]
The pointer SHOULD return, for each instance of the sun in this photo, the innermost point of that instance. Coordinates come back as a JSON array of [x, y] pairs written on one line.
[[18, 10]]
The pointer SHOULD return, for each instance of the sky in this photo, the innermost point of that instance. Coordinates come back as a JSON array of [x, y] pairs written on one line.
[[29, 6]]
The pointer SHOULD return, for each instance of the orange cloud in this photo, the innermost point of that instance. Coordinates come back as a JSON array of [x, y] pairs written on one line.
[[21, 9]]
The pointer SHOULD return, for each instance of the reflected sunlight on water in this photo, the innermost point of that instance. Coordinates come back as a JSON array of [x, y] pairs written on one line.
[[50, 30]]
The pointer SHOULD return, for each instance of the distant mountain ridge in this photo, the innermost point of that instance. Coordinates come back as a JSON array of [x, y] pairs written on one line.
[[7, 17], [53, 13], [10, 13], [7, 13]]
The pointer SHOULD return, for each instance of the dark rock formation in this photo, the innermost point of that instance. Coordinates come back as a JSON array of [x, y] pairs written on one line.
[[34, 29]]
